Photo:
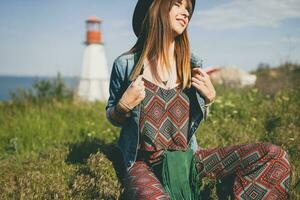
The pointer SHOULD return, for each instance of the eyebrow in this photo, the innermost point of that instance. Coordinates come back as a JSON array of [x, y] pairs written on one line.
[[186, 6], [179, 1]]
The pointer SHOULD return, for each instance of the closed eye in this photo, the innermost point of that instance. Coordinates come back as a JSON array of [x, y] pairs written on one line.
[[177, 4]]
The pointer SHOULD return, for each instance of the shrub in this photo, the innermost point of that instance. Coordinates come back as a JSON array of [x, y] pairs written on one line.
[[44, 90]]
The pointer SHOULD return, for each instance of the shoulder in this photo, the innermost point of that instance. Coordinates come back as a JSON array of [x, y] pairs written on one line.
[[125, 58], [196, 61], [125, 62]]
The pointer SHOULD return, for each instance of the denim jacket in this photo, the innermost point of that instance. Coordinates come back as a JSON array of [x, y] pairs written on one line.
[[129, 134]]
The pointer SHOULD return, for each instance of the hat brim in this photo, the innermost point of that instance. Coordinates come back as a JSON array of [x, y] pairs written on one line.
[[140, 11]]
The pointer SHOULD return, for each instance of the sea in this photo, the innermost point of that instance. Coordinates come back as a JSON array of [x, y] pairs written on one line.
[[10, 84]]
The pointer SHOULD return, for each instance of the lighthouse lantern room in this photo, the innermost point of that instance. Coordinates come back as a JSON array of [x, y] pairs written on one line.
[[94, 79], [93, 34]]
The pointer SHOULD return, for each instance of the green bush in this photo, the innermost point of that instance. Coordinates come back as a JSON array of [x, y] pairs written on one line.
[[44, 90]]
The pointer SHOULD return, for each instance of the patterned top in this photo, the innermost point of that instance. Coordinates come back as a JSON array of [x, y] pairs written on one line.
[[164, 120]]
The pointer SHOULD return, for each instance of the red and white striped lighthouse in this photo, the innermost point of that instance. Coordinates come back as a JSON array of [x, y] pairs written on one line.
[[94, 80]]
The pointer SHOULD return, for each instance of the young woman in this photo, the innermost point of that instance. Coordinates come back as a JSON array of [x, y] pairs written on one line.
[[158, 96]]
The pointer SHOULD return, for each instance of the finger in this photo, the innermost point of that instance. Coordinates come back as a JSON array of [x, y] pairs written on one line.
[[199, 87], [199, 77], [139, 79], [196, 70], [142, 95], [141, 88], [131, 84], [200, 71], [142, 83], [200, 82], [203, 72]]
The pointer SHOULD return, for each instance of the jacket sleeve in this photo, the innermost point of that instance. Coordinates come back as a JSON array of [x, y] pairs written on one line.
[[116, 86]]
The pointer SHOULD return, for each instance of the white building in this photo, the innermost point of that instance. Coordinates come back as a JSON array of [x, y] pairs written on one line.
[[232, 76], [94, 80]]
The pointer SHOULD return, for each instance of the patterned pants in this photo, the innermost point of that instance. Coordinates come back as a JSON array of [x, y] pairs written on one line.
[[261, 171]]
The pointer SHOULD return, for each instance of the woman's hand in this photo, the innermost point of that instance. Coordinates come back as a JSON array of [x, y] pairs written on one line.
[[134, 94], [201, 81]]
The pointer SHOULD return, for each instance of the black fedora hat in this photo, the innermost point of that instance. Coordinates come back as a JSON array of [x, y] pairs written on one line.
[[140, 12]]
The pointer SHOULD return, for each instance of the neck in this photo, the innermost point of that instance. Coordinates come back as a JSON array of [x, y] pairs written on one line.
[[171, 52], [171, 49]]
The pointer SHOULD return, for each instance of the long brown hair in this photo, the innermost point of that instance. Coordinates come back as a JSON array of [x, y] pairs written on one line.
[[154, 39]]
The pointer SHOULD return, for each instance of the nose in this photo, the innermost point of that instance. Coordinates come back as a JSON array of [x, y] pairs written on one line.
[[185, 13]]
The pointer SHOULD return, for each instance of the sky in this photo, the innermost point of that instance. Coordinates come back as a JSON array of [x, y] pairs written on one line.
[[44, 37]]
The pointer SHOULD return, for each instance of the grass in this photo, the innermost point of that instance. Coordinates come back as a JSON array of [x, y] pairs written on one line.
[[58, 148]]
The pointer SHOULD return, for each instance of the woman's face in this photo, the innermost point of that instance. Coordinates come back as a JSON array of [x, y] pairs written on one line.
[[179, 17]]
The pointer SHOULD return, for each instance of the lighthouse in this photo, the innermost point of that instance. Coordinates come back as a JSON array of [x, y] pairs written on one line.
[[94, 79]]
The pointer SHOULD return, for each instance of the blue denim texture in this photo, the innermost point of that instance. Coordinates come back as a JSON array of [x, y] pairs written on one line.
[[129, 134]]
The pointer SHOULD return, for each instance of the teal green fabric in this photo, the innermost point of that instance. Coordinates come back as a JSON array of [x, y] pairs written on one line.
[[179, 175]]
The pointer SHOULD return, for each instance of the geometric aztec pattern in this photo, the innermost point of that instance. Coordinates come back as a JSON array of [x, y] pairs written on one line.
[[261, 170], [142, 184], [164, 119]]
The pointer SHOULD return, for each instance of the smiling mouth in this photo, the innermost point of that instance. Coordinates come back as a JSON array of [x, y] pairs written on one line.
[[181, 21]]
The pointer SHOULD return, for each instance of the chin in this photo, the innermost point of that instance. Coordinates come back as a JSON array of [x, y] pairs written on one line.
[[178, 32]]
